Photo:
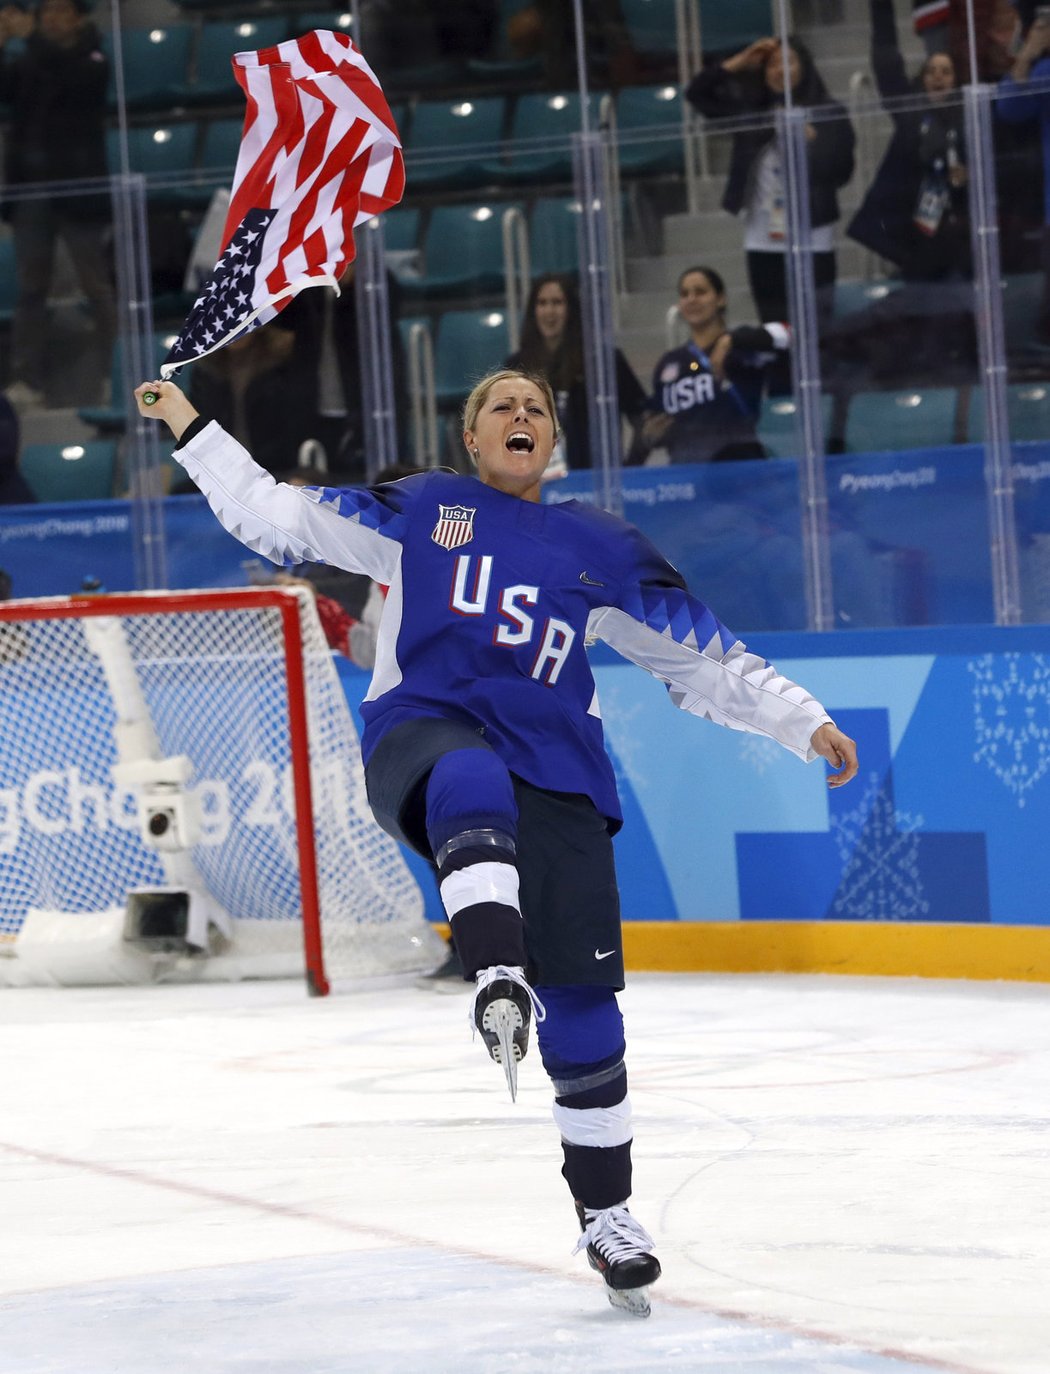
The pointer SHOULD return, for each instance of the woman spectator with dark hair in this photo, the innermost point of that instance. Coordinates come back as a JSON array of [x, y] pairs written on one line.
[[915, 215], [707, 393], [753, 82], [552, 347], [915, 212]]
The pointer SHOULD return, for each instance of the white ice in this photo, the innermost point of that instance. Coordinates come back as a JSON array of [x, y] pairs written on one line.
[[843, 1176]]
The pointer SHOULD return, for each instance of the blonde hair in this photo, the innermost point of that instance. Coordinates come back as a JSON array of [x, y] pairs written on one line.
[[480, 394]]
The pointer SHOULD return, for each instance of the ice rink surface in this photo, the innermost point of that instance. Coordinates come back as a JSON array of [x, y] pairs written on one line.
[[843, 1176]]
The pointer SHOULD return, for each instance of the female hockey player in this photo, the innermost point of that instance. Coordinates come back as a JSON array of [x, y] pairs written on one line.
[[483, 742]]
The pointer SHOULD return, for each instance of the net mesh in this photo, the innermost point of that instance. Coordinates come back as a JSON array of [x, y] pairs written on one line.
[[209, 685]]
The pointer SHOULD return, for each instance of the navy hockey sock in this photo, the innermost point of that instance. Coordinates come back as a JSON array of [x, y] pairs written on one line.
[[472, 828], [582, 1046]]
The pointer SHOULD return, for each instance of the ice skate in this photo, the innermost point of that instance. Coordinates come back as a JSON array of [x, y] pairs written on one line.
[[619, 1248], [502, 1012]]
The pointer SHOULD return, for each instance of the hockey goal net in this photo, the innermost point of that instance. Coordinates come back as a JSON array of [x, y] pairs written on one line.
[[192, 742]]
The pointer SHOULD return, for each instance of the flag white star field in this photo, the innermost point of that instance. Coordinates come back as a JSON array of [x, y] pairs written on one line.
[[319, 154]]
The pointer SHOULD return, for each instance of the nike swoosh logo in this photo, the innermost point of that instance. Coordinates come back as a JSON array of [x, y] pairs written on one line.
[[589, 581], [599, 954]]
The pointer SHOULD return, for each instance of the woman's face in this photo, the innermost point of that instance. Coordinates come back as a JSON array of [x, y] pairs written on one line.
[[938, 76], [552, 312], [774, 70], [514, 437], [699, 304]]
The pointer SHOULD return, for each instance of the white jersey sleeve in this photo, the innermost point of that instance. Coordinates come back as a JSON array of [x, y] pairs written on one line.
[[358, 529], [659, 625]]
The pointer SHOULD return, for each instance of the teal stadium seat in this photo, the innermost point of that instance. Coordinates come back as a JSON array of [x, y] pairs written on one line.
[[469, 343], [156, 150], [463, 250], [726, 26], [851, 297], [651, 26], [336, 21], [164, 153], [155, 66], [452, 141], [878, 421], [777, 425], [1022, 297], [70, 472], [649, 128], [554, 227], [539, 145], [401, 243], [214, 81], [1027, 412]]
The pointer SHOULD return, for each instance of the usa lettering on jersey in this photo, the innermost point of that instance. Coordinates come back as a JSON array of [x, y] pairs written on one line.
[[469, 595], [455, 526], [695, 389]]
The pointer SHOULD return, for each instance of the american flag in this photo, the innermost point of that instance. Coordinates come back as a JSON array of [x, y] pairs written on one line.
[[319, 154]]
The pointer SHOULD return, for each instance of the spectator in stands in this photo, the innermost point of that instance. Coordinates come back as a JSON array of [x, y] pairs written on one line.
[[404, 34], [916, 215], [707, 394], [1024, 97], [552, 347], [943, 26], [546, 29], [915, 212], [56, 88], [753, 83], [325, 366], [14, 489]]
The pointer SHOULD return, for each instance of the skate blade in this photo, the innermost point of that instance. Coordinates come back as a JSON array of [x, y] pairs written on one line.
[[632, 1300], [503, 1019]]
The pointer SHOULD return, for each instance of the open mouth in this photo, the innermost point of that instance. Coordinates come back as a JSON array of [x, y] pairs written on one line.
[[520, 442]]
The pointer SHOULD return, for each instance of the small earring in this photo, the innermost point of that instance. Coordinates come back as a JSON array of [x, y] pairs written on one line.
[[475, 452]]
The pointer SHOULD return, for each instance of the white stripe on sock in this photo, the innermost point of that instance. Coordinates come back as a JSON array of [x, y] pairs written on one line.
[[487, 882], [601, 1126]]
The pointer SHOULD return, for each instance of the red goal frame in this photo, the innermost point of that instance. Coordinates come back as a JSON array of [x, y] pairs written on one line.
[[286, 602]]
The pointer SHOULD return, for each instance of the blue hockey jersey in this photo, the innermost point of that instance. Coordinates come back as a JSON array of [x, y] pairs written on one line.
[[492, 602]]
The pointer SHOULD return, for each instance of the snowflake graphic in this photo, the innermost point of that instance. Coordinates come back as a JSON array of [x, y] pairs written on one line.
[[1012, 719], [880, 848], [629, 758], [758, 752]]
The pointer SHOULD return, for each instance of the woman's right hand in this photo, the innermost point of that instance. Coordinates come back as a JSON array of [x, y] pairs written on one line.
[[171, 406], [752, 58]]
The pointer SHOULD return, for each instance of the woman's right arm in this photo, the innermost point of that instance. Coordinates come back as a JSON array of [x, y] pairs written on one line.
[[353, 529], [717, 93], [886, 60]]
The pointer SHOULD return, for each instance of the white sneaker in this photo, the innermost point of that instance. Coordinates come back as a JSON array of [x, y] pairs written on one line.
[[25, 397]]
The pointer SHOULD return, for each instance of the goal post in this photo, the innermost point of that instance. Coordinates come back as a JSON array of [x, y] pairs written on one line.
[[180, 774]]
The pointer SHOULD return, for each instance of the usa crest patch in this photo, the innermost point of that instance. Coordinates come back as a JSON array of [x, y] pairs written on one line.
[[455, 526]]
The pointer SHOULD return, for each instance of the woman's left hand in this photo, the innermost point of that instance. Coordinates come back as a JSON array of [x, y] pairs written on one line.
[[839, 750]]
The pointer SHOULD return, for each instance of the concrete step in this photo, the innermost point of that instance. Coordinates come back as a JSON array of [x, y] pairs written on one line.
[[660, 274]]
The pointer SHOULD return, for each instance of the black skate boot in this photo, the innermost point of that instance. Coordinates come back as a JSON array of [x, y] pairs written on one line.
[[502, 1012], [619, 1248]]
